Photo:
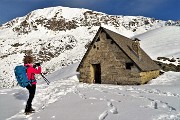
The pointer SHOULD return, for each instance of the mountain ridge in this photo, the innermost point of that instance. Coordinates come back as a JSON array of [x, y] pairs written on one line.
[[59, 36]]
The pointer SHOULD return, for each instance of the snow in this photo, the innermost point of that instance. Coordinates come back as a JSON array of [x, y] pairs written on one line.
[[66, 12], [16, 38], [161, 42], [67, 99], [31, 41]]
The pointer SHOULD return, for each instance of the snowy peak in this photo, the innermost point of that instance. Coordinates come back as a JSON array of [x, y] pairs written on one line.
[[64, 18], [59, 36], [58, 12]]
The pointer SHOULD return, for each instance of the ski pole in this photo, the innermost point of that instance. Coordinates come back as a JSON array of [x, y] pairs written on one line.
[[45, 79]]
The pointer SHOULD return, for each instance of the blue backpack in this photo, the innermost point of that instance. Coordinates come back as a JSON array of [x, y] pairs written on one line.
[[21, 77]]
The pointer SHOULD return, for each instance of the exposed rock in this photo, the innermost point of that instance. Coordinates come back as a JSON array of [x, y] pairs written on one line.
[[168, 67]]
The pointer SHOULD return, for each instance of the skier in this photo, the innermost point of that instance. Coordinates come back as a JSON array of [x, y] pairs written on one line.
[[31, 71]]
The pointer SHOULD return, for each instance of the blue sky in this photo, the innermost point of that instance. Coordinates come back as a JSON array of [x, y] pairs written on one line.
[[158, 9]]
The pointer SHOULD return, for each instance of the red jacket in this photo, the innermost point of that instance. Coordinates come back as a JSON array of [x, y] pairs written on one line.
[[32, 71]]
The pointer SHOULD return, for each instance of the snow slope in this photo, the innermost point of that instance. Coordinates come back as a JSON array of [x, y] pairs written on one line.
[[161, 42], [59, 36], [67, 99]]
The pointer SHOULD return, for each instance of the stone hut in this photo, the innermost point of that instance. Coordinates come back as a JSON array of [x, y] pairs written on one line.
[[115, 59]]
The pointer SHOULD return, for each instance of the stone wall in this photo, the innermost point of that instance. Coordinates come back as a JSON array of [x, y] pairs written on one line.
[[147, 76], [112, 61]]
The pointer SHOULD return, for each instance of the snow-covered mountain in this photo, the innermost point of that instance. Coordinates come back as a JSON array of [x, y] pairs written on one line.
[[67, 99], [59, 36], [161, 42]]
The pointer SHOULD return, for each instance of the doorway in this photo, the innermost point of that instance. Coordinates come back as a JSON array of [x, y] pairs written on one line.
[[97, 73]]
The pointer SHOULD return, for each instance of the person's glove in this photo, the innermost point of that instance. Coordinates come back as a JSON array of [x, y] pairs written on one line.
[[37, 64]]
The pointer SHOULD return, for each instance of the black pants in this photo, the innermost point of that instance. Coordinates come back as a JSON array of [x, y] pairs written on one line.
[[32, 90]]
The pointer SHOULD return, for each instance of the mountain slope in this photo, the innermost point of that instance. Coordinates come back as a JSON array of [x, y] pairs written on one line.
[[161, 42], [59, 35]]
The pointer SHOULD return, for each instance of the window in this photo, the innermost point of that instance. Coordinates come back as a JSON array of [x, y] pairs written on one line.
[[108, 37], [97, 40], [129, 65], [112, 41]]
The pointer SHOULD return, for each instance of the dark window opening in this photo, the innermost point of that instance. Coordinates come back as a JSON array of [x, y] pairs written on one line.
[[108, 37], [97, 40], [97, 48], [94, 46], [129, 65], [112, 41]]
